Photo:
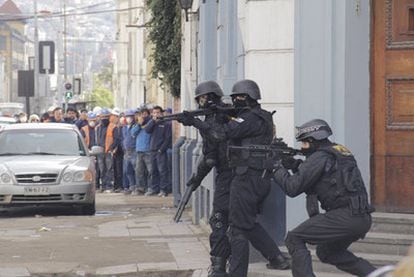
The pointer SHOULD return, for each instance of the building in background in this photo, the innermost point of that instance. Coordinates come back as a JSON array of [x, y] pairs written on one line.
[[12, 50], [134, 84]]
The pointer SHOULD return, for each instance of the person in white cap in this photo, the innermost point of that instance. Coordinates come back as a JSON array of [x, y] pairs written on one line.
[[34, 118]]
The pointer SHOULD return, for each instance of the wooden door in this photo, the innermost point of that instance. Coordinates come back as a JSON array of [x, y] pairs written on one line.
[[392, 105]]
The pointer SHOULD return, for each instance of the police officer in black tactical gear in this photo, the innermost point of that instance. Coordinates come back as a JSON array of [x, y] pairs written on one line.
[[329, 175], [214, 155], [252, 125]]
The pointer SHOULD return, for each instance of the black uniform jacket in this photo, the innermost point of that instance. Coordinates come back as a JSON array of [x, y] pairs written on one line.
[[307, 178]]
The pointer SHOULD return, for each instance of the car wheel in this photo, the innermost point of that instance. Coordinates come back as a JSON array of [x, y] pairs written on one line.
[[88, 209]]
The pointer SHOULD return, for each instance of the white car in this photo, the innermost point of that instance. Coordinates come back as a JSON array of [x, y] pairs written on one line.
[[46, 164]]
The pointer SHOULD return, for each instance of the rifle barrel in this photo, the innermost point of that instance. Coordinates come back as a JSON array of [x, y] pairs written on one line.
[[267, 148], [182, 204], [200, 112]]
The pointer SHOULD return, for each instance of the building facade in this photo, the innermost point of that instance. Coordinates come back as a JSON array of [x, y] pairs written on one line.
[[348, 62], [130, 63], [12, 50], [134, 84]]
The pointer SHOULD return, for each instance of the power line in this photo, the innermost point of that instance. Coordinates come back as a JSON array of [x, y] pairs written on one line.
[[95, 5], [59, 14]]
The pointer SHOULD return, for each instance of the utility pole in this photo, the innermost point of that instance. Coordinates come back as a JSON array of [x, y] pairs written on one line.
[[36, 58], [64, 51], [129, 56], [64, 41]]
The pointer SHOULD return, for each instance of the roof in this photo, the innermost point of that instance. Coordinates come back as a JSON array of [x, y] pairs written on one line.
[[41, 126], [9, 7]]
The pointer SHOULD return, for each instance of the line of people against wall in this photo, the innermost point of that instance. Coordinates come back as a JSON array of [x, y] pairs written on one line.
[[137, 156]]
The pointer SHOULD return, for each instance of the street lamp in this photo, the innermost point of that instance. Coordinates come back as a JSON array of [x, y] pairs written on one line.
[[185, 5]]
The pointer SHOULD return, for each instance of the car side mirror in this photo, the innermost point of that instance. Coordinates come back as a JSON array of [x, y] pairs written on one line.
[[96, 150]]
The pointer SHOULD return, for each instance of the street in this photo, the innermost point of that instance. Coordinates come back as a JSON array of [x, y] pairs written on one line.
[[128, 235]]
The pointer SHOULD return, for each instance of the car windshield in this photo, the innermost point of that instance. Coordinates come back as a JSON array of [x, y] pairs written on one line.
[[41, 142]]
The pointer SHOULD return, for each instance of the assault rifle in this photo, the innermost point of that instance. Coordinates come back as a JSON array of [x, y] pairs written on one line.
[[228, 110], [260, 156]]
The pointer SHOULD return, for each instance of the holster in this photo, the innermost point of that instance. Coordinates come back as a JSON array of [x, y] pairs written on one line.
[[359, 205]]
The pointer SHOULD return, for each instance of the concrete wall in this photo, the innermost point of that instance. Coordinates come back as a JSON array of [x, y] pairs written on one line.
[[267, 40], [332, 75]]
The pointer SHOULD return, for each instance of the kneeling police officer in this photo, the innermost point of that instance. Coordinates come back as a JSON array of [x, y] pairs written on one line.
[[329, 175]]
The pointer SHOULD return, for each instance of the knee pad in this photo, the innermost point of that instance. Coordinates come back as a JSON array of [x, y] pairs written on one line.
[[218, 221]]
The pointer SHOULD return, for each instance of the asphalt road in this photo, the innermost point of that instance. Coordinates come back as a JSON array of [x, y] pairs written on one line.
[[128, 236]]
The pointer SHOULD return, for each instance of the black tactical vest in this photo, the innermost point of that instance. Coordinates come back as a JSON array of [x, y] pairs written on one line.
[[342, 184], [244, 158]]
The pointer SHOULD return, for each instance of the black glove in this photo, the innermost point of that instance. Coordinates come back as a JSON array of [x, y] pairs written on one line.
[[291, 163], [272, 164], [187, 119]]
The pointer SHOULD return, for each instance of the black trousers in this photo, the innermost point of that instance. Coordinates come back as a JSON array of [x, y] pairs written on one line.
[[118, 160], [332, 232], [219, 220], [247, 194]]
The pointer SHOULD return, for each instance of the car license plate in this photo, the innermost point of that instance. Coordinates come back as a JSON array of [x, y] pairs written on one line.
[[36, 190]]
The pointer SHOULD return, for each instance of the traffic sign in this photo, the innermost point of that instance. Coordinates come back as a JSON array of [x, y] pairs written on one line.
[[46, 57], [68, 94]]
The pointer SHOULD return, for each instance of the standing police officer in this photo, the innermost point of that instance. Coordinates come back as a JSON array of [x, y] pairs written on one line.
[[251, 125], [329, 175], [207, 95]]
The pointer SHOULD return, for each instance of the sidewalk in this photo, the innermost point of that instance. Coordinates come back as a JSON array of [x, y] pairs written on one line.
[[187, 244], [129, 236]]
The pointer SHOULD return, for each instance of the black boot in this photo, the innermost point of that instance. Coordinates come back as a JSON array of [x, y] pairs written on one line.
[[218, 267], [280, 262]]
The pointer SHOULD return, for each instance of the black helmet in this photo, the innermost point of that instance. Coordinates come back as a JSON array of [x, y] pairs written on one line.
[[208, 87], [248, 87], [317, 129]]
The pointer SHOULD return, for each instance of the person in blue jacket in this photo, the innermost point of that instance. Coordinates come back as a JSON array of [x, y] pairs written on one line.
[[143, 167]]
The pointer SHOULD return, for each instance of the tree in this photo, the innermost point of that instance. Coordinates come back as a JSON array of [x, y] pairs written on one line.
[[105, 75], [102, 96], [165, 35], [102, 89]]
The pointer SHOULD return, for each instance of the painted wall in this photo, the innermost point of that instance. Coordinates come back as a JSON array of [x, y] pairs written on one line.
[[331, 75]]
